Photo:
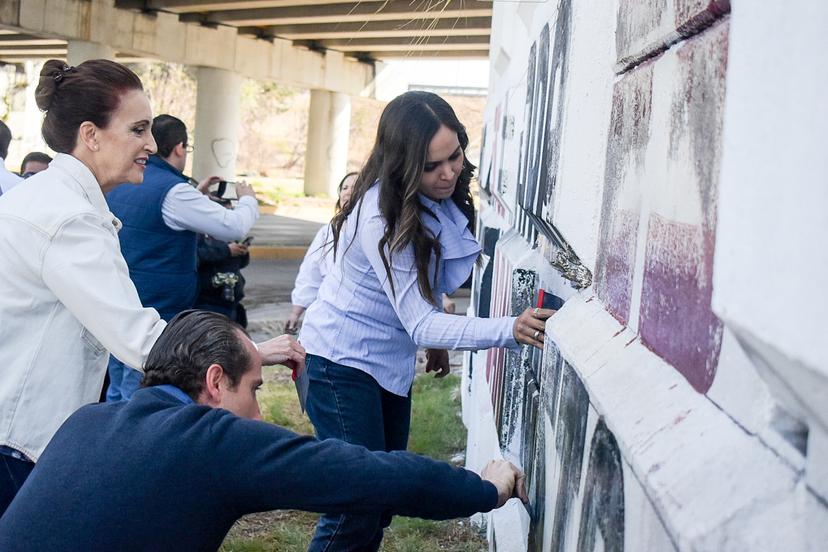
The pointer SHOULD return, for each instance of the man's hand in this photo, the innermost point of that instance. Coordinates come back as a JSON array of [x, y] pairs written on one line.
[[206, 183], [509, 481], [245, 189], [237, 249], [283, 350], [437, 360]]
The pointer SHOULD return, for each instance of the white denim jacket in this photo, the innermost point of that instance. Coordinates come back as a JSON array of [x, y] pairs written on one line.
[[65, 300]]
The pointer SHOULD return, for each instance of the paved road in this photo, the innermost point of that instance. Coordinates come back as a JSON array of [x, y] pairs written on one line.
[[281, 231]]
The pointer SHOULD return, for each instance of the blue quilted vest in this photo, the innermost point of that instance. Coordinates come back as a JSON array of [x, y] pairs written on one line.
[[162, 261]]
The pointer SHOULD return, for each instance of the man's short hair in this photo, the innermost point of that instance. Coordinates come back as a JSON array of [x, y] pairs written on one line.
[[35, 156], [168, 132], [5, 139], [190, 343]]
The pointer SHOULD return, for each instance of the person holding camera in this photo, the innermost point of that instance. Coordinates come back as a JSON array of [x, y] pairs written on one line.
[[162, 220], [220, 281]]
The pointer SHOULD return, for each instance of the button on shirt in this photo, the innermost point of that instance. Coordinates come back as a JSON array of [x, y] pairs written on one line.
[[357, 321], [65, 301]]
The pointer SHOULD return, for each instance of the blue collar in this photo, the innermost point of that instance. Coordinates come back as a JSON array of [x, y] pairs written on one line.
[[175, 393], [458, 247], [162, 164]]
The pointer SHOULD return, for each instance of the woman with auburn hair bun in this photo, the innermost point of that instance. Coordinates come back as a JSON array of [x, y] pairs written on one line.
[[404, 238], [65, 296]]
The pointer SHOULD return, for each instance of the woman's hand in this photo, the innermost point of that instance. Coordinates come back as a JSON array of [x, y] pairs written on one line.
[[283, 350], [292, 323], [530, 326], [437, 360]]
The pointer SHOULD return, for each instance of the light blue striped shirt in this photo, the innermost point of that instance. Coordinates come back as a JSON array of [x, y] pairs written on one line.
[[356, 320]]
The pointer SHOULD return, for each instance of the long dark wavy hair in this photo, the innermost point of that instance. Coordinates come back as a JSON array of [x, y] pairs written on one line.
[[406, 128]]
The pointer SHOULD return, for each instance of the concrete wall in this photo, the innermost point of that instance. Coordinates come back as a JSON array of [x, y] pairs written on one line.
[[658, 165], [162, 36]]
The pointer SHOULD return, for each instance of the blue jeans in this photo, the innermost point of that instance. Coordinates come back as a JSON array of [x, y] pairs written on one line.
[[13, 473], [123, 380], [348, 404]]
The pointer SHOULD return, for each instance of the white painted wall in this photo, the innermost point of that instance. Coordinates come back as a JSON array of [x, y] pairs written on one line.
[[770, 262], [739, 465]]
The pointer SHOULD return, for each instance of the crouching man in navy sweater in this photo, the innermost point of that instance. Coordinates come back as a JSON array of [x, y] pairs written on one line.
[[178, 464]]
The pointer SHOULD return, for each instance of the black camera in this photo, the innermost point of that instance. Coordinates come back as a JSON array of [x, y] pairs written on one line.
[[223, 189]]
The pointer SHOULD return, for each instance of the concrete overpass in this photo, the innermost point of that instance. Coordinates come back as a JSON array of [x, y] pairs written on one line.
[[335, 48]]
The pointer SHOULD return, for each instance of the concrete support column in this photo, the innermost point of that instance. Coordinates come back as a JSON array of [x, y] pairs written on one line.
[[326, 157], [217, 123], [78, 51]]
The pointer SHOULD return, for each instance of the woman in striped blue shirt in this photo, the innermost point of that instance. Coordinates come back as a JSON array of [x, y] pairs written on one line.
[[404, 238]]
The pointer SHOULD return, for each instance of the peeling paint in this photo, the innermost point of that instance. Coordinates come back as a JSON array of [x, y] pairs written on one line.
[[602, 515], [628, 138], [676, 318]]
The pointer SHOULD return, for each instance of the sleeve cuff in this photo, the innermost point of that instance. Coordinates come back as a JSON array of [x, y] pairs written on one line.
[[491, 496]]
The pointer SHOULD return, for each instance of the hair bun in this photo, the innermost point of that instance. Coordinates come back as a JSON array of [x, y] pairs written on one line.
[[50, 76]]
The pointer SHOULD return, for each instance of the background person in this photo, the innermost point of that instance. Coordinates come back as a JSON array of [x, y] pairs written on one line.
[[317, 261], [178, 464], [33, 163], [220, 281], [8, 179], [162, 219], [403, 239]]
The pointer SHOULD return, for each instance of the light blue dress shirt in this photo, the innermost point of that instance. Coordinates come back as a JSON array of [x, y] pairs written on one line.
[[357, 321]]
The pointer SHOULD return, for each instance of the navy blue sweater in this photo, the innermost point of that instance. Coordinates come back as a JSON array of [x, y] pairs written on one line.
[[156, 474]]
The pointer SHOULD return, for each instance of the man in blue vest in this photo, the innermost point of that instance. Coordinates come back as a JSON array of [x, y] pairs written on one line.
[[174, 467], [162, 218]]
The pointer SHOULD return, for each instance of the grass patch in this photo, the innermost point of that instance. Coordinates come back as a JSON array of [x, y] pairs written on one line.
[[436, 428], [436, 431], [279, 402]]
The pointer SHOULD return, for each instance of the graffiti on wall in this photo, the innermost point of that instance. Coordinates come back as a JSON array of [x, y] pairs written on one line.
[[543, 120], [655, 252], [602, 513], [665, 147]]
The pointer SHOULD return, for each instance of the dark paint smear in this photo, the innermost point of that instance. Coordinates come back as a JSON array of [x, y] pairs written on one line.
[[603, 507], [524, 162], [615, 275], [692, 16], [634, 20], [677, 322], [484, 291], [514, 382], [550, 394], [628, 137], [534, 463], [536, 131], [570, 438], [559, 71], [496, 356]]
